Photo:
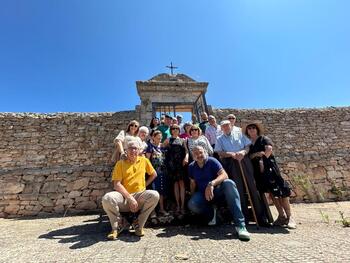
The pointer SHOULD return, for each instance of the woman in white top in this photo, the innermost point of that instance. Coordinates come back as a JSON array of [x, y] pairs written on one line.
[[198, 139], [122, 139]]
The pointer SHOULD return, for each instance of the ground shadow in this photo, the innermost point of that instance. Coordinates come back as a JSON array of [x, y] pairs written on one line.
[[87, 234], [219, 232], [95, 230]]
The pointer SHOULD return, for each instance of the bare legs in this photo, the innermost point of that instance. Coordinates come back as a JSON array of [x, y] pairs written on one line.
[[179, 191], [284, 212]]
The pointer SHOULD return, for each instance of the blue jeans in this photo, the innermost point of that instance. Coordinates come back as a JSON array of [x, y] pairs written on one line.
[[227, 190]]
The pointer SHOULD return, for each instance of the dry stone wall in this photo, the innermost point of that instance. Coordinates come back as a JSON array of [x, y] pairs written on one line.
[[312, 147], [59, 163], [56, 163]]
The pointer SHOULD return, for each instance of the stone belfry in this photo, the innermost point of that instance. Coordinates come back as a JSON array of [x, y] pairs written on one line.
[[171, 93]]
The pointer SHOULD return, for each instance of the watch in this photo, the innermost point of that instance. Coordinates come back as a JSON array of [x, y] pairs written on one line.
[[211, 183]]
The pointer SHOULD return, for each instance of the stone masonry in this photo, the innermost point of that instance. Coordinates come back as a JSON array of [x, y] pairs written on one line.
[[59, 163], [312, 147], [56, 163]]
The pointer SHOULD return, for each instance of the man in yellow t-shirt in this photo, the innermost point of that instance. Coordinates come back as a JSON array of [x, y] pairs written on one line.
[[130, 191]]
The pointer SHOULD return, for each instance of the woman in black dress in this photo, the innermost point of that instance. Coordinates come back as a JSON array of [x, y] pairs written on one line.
[[176, 158], [267, 175]]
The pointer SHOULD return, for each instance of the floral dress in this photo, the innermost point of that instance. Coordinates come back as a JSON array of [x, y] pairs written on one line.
[[157, 159]]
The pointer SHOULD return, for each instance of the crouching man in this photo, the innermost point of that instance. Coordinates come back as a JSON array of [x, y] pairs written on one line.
[[210, 184], [130, 191]]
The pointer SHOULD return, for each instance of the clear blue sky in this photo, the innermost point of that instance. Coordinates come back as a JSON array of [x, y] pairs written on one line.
[[85, 56]]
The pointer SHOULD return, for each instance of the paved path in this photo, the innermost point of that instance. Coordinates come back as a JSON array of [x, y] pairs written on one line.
[[82, 239]]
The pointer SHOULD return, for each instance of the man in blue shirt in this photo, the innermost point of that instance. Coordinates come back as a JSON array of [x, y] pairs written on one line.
[[210, 184]]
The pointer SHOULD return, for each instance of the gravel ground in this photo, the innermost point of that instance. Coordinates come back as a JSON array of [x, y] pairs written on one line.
[[83, 239]]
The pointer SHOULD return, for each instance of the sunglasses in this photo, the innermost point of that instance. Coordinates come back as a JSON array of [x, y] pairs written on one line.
[[132, 148], [133, 125], [231, 118], [194, 130], [175, 129]]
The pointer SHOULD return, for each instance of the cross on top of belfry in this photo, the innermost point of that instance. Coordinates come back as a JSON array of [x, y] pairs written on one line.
[[171, 68]]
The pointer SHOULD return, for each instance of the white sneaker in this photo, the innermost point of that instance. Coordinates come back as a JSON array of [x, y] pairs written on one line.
[[243, 233], [213, 221], [291, 223]]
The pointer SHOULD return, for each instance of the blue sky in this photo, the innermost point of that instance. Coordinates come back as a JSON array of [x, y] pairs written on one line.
[[85, 56]]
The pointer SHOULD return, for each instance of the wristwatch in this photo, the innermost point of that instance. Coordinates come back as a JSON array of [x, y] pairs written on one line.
[[211, 183]]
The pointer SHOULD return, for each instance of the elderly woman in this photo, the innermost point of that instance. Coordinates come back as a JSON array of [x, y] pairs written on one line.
[[198, 139], [267, 175], [143, 134], [176, 160], [156, 154], [122, 139]]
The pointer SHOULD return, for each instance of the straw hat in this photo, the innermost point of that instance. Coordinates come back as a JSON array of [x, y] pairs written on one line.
[[257, 123]]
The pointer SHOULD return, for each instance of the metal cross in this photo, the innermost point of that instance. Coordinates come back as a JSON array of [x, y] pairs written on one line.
[[171, 68]]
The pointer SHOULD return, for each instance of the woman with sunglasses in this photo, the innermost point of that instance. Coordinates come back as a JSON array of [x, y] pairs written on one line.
[[122, 139], [197, 139], [267, 175], [187, 126], [176, 160]]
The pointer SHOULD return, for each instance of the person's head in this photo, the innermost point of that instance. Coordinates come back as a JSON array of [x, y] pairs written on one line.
[[162, 118], [212, 120], [133, 127], [154, 122], [204, 116], [194, 119], [253, 129], [200, 155], [174, 121], [167, 120], [143, 133], [179, 118], [226, 126], [187, 127], [174, 130], [132, 149], [157, 137], [231, 118], [195, 131]]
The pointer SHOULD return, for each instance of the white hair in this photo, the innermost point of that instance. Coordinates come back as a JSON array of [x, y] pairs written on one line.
[[144, 129], [132, 141]]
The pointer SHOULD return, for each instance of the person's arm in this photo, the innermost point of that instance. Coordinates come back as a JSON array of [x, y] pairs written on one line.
[[268, 146], [185, 160], [222, 175], [223, 154], [192, 186], [131, 201], [240, 155], [151, 178], [118, 142], [220, 150], [208, 134], [209, 190], [210, 149]]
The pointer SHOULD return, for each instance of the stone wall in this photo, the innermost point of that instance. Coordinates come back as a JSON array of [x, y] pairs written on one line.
[[60, 163], [56, 163], [312, 147]]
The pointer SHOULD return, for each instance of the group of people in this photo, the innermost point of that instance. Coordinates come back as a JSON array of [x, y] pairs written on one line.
[[214, 163]]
